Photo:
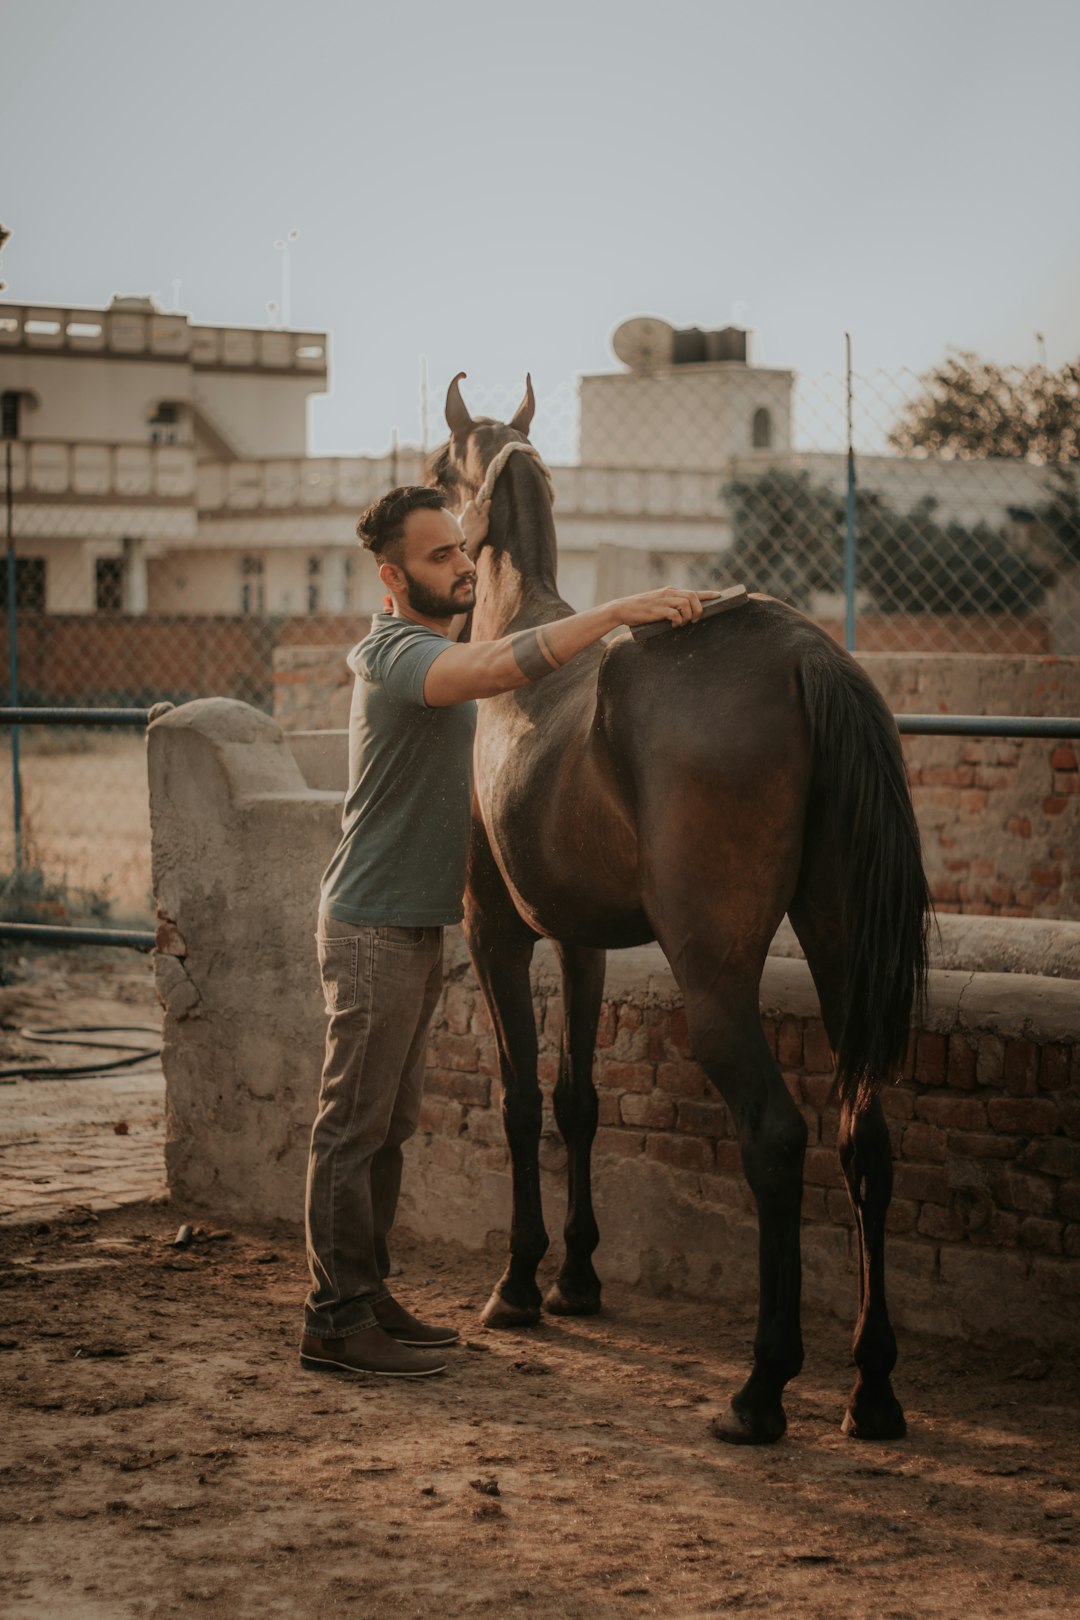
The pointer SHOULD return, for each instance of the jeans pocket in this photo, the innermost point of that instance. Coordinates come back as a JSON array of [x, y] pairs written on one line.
[[392, 935], [338, 965]]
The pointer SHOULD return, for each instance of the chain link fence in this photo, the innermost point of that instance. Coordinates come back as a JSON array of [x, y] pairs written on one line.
[[142, 574]]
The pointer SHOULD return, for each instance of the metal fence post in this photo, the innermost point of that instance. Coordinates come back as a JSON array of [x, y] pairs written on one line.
[[13, 655], [849, 532]]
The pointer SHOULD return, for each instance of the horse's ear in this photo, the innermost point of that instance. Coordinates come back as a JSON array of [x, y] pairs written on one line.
[[522, 418], [458, 419]]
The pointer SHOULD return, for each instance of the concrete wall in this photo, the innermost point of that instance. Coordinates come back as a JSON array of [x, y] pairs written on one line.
[[986, 1120]]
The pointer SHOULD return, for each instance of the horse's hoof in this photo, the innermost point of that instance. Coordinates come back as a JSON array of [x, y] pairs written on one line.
[[566, 1301], [864, 1420], [743, 1426], [499, 1313]]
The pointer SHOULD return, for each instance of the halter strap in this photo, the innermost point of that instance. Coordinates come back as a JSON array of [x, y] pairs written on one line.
[[499, 462]]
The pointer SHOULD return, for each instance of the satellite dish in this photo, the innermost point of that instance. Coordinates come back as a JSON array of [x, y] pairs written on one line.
[[644, 344]]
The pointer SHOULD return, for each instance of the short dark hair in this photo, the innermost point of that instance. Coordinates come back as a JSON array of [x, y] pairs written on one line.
[[382, 525]]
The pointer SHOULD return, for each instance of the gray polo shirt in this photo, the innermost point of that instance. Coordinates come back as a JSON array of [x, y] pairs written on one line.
[[405, 827]]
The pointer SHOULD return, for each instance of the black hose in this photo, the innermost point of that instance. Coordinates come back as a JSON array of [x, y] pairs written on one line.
[[69, 1035]]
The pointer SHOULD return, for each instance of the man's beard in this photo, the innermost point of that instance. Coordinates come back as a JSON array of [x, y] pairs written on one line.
[[422, 599]]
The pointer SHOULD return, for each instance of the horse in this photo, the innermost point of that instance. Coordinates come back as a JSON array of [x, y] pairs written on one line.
[[689, 788]]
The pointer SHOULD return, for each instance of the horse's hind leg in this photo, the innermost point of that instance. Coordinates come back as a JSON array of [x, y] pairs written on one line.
[[873, 1411], [727, 1040], [576, 1291]]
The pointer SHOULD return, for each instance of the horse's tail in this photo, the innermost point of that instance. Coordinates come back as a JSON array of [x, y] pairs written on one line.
[[860, 788]]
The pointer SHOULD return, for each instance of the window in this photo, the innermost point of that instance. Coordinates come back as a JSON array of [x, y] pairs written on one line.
[[164, 423], [761, 432], [9, 414], [29, 583], [314, 581], [252, 586], [109, 585]]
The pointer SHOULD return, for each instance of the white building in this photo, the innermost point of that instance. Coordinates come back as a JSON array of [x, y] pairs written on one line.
[[161, 466]]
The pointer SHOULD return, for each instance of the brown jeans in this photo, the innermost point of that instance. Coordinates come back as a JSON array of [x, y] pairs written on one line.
[[381, 985]]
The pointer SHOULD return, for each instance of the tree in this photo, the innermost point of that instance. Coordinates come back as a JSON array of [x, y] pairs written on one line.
[[971, 408], [789, 542]]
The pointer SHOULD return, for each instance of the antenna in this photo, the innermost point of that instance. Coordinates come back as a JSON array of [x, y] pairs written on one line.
[[283, 245]]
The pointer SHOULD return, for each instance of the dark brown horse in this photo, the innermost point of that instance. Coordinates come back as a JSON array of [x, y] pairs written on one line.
[[690, 788]]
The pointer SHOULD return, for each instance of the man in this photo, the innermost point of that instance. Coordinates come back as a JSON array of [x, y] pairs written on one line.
[[396, 880]]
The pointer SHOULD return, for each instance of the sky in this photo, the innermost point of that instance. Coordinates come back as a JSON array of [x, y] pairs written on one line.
[[494, 186]]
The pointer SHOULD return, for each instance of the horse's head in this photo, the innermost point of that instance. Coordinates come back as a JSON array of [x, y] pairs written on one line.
[[460, 466]]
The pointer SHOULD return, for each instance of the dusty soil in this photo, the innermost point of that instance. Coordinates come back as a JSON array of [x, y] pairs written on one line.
[[166, 1455]]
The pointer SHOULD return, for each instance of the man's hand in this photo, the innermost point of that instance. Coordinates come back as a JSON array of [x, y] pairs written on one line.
[[681, 607], [474, 525]]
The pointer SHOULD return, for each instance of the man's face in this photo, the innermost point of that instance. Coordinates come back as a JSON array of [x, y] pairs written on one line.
[[438, 576]]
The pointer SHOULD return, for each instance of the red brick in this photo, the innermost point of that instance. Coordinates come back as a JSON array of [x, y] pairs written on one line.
[[619, 1144], [625, 1076], [908, 1067], [605, 1031], [924, 1143], [931, 1059], [1045, 877], [608, 1107], [897, 1102], [789, 1043], [679, 1032], [982, 1145], [1029, 1195], [729, 1194], [1062, 759], [547, 1068], [815, 1205], [682, 1079], [821, 1168], [704, 1118], [629, 1016], [656, 1034], [729, 1160], [1054, 806], [816, 1089], [958, 776], [1024, 1116], [961, 1064], [817, 1053], [457, 1051], [952, 1113], [990, 1062], [1021, 1068], [1069, 1200], [459, 1009], [903, 1216], [681, 1152], [1069, 1114], [653, 1110], [485, 1126], [1066, 783], [1020, 826], [925, 1183], [1054, 1068], [944, 1225], [973, 802], [1070, 1240], [943, 890], [1045, 1236], [838, 1204], [828, 1125], [461, 1087], [1052, 1156], [552, 1027], [441, 1117]]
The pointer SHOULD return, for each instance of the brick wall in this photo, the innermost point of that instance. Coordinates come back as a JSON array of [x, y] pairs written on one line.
[[985, 1125], [124, 659]]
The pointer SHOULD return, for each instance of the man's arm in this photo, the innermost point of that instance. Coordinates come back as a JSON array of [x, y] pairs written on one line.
[[485, 668]]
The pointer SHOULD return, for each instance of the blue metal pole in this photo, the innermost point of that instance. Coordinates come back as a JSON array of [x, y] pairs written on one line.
[[849, 527], [13, 657]]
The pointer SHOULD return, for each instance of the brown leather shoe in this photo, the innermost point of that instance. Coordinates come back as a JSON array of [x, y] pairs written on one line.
[[368, 1351], [407, 1329]]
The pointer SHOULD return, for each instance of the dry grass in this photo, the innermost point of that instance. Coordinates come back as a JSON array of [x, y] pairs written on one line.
[[86, 813]]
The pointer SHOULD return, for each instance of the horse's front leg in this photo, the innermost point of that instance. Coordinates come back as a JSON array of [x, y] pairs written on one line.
[[576, 1290], [501, 947]]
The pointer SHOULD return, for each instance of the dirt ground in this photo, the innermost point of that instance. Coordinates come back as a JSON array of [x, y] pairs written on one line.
[[164, 1454]]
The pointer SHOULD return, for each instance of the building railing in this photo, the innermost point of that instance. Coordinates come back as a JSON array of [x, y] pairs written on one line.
[[131, 333], [52, 469]]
